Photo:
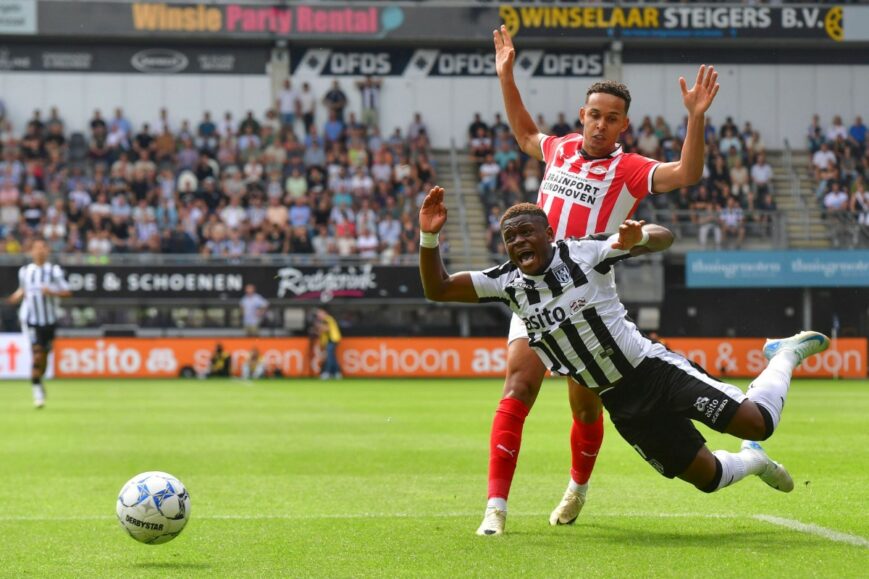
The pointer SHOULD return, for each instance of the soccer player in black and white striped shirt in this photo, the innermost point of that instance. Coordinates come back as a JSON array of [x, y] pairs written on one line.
[[565, 294], [41, 284]]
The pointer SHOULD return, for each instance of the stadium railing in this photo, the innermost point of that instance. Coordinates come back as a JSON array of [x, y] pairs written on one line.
[[460, 198]]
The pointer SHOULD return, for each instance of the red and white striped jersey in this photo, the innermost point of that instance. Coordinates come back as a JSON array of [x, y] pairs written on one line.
[[583, 196]]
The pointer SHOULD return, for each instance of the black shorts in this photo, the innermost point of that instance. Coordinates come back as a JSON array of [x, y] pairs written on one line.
[[41, 336], [652, 408]]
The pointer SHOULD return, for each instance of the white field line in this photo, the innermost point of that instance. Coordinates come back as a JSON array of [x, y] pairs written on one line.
[[811, 529], [12, 518], [791, 524]]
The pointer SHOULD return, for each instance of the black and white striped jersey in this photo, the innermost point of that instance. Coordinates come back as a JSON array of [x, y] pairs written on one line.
[[574, 318], [38, 309]]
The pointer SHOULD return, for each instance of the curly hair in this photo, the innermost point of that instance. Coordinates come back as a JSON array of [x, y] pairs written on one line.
[[611, 87], [529, 209]]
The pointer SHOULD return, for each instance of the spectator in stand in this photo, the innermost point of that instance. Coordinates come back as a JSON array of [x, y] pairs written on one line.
[[836, 200], [369, 90], [857, 135], [826, 177], [493, 231], [307, 106], [335, 101], [475, 126], [481, 146], [859, 204], [288, 104], [334, 129], [761, 175], [730, 140], [561, 126], [648, 144], [836, 131], [733, 222], [740, 180], [705, 216], [489, 172], [416, 127], [822, 158]]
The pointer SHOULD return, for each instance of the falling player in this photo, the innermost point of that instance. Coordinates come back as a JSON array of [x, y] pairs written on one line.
[[590, 186], [565, 294]]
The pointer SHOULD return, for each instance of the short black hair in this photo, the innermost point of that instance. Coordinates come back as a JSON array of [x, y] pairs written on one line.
[[611, 87], [520, 209]]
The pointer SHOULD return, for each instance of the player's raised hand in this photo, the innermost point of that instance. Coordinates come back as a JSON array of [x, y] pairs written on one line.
[[505, 54], [700, 97], [433, 213], [630, 233]]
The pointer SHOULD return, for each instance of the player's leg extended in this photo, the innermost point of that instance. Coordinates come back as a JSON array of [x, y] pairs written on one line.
[[37, 371], [525, 374], [586, 436]]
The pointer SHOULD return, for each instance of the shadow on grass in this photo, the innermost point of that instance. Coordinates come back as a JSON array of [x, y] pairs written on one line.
[[602, 534], [168, 565]]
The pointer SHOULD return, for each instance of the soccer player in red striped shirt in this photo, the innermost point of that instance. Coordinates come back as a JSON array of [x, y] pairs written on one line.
[[589, 186]]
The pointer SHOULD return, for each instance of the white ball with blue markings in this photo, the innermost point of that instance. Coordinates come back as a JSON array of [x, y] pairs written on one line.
[[153, 507]]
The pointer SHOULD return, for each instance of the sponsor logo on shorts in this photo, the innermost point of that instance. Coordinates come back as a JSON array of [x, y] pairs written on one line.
[[710, 408], [656, 465]]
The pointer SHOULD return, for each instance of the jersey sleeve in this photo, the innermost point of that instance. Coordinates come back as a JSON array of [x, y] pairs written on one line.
[[59, 278], [21, 276], [489, 283], [640, 172], [548, 146], [597, 249]]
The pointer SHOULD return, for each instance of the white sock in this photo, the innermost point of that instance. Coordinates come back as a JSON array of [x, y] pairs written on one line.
[[575, 487], [497, 503], [38, 391], [771, 388], [737, 466]]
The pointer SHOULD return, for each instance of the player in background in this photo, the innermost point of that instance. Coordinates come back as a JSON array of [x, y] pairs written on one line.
[[566, 295], [589, 186], [41, 284]]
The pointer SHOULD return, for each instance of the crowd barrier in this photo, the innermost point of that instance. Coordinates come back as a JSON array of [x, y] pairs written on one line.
[[379, 357]]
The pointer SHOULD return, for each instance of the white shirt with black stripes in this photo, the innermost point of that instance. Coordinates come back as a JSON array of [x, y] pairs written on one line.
[[38, 309], [576, 323]]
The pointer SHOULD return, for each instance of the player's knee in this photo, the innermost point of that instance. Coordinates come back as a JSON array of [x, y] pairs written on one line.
[[588, 414]]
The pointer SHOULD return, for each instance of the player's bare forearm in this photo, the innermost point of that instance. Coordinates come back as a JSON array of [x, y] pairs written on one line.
[[523, 126], [633, 232], [660, 239], [438, 284], [16, 297], [688, 170]]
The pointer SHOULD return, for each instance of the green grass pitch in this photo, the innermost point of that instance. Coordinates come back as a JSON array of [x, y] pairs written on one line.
[[387, 478]]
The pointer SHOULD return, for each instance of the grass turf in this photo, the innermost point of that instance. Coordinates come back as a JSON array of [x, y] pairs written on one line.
[[387, 478]]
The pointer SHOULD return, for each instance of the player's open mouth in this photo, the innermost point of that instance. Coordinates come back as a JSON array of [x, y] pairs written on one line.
[[525, 257]]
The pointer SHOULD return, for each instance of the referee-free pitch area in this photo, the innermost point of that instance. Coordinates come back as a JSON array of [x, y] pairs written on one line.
[[388, 478]]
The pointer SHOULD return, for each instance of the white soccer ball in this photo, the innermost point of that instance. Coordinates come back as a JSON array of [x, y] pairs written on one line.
[[153, 507]]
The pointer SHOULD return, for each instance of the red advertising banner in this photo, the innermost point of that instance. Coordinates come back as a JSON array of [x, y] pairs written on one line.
[[403, 357]]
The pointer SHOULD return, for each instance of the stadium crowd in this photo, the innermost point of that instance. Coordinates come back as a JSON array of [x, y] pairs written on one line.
[[839, 166], [735, 195], [229, 186]]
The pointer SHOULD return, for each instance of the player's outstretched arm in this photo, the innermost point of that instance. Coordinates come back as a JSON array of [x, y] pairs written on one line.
[[16, 297], [438, 284], [523, 126], [640, 238], [688, 170]]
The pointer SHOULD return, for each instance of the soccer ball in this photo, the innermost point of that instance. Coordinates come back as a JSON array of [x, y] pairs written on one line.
[[153, 507]]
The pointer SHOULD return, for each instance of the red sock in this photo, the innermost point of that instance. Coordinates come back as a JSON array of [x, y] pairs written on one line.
[[504, 445], [585, 441]]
